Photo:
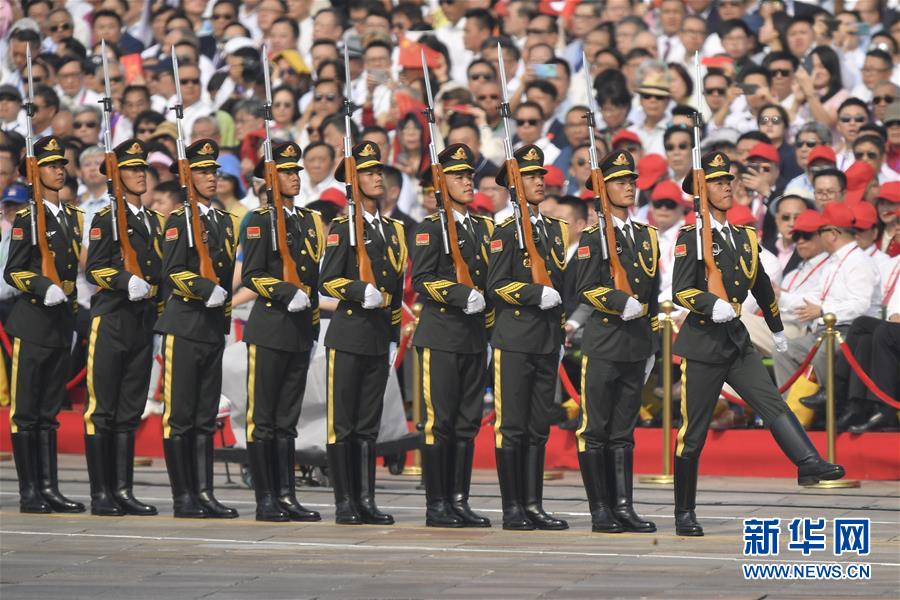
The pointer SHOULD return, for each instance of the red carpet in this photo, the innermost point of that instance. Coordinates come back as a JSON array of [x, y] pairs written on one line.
[[745, 452]]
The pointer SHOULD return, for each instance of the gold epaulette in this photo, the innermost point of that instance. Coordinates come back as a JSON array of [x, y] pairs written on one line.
[[342, 219], [433, 217], [687, 227], [557, 219], [178, 211], [392, 220], [24, 212], [749, 227], [647, 225], [592, 229], [310, 210], [507, 221], [75, 208], [104, 211]]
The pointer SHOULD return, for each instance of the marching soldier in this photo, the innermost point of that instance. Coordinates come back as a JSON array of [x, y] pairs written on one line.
[[41, 325], [361, 340], [452, 342], [527, 338], [281, 332], [716, 347], [619, 341], [194, 322], [120, 346]]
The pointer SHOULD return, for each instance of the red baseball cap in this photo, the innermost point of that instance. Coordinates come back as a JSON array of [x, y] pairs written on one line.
[[764, 151], [837, 214], [890, 192], [809, 221], [554, 177], [482, 204], [334, 196], [650, 168], [825, 153], [859, 174], [865, 216], [740, 214], [667, 190], [625, 135], [410, 56]]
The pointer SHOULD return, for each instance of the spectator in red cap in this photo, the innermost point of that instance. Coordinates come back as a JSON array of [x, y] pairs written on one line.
[[867, 232], [800, 282], [628, 140], [667, 210], [652, 169], [786, 208], [887, 203], [554, 181], [860, 177], [759, 181]]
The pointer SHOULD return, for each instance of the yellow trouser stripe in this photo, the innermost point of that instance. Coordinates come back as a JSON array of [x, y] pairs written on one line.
[[426, 394], [251, 390], [332, 438], [498, 401], [168, 357], [679, 444], [584, 414], [92, 396], [13, 428]]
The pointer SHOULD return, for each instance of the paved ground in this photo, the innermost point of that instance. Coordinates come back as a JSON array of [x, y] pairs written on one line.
[[80, 556]]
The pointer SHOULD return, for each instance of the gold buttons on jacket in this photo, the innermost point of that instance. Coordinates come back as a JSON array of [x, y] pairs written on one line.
[[443, 309], [384, 273], [517, 313], [349, 311], [702, 322]]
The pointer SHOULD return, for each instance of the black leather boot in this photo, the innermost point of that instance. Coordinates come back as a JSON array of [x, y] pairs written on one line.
[[259, 454], [123, 491], [514, 517], [460, 471], [365, 499], [48, 475], [534, 490], [793, 441], [24, 444], [98, 454], [339, 473], [438, 512], [179, 463], [593, 469], [620, 465], [203, 463], [286, 482], [686, 496]]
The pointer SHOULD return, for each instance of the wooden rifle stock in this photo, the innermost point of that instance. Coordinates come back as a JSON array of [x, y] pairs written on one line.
[[714, 281], [539, 273], [289, 265], [197, 228], [462, 269], [362, 255], [129, 256], [619, 275], [48, 264]]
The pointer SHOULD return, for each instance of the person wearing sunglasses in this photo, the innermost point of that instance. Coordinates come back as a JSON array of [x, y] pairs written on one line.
[[529, 121], [668, 208], [72, 88], [86, 124], [678, 141], [800, 280], [786, 208], [773, 121], [654, 101], [782, 66], [59, 28], [760, 180], [885, 94], [195, 104], [870, 148], [852, 115], [811, 136]]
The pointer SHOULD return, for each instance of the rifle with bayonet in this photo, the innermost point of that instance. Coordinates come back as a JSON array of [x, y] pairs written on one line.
[[195, 228], [35, 189], [704, 243], [273, 189], [524, 230], [118, 215], [449, 236], [606, 228], [354, 195]]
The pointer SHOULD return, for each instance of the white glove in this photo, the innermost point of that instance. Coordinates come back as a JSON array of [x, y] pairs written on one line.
[[562, 353], [299, 302], [632, 310], [781, 343], [722, 312], [372, 297], [475, 303], [312, 351], [54, 295], [648, 367], [549, 298], [137, 288], [392, 354], [217, 298], [490, 355]]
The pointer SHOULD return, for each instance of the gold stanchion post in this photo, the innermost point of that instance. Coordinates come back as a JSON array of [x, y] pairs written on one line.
[[414, 469], [666, 478], [830, 432]]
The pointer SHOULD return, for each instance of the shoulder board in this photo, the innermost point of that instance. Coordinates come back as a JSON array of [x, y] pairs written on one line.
[[433, 217], [592, 229], [24, 212], [154, 212], [311, 211], [104, 211], [262, 210], [342, 219], [647, 225], [687, 227], [75, 208], [558, 220], [178, 211], [507, 221], [224, 212], [482, 218], [748, 227], [392, 220]]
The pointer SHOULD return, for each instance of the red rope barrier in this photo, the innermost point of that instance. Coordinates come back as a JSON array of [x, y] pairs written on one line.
[[567, 385], [79, 377], [787, 384], [867, 381], [5, 340], [7, 346]]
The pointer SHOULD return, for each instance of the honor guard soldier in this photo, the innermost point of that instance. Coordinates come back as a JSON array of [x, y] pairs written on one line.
[[362, 338], [194, 322], [120, 346], [452, 342], [41, 325], [527, 338], [618, 349], [280, 334], [716, 347]]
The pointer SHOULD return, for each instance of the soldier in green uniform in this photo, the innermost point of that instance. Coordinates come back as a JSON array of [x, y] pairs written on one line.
[[716, 347], [120, 346], [618, 348], [280, 334], [41, 325], [194, 322], [452, 342], [527, 339], [362, 340]]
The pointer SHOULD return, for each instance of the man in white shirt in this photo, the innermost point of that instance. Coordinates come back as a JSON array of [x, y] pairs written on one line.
[[654, 100], [316, 176], [800, 282], [849, 287], [195, 105]]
